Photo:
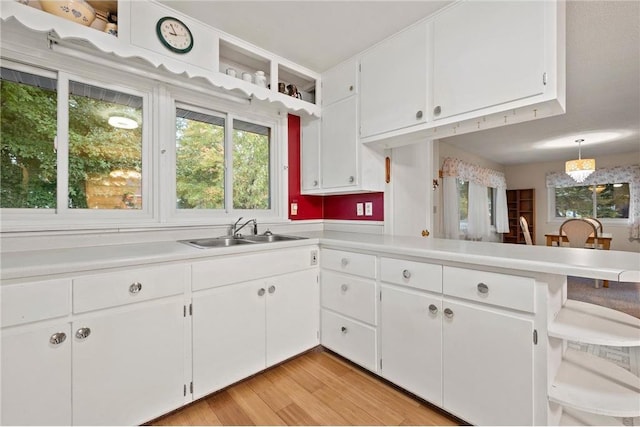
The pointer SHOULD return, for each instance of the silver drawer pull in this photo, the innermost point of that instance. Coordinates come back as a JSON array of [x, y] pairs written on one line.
[[344, 287], [83, 333], [448, 313], [58, 338], [406, 274], [433, 309], [482, 288], [135, 287], [261, 292], [344, 262], [272, 289], [343, 329]]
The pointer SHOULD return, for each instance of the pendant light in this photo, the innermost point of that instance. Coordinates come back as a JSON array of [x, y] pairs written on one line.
[[581, 168]]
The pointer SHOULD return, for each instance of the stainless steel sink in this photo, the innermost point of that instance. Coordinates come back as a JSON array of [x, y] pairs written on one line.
[[262, 238], [227, 241], [216, 242]]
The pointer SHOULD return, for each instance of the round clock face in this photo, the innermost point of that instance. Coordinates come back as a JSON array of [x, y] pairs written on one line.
[[174, 35]]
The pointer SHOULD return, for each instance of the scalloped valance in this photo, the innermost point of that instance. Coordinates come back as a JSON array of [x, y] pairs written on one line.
[[473, 173]]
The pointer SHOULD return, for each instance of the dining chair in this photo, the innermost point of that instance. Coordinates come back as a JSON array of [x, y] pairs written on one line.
[[578, 231], [596, 222], [524, 225]]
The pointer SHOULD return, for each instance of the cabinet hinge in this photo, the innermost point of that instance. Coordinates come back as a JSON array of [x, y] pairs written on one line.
[[190, 309], [544, 78], [184, 311], [380, 363], [535, 337], [191, 387], [360, 67], [380, 295], [184, 390]]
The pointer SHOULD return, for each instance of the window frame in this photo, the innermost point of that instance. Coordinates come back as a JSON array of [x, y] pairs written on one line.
[[551, 203]]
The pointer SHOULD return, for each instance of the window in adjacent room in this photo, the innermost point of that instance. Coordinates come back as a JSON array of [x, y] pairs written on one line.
[[598, 201]]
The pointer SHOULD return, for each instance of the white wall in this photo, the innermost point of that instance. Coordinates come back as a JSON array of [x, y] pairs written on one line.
[[533, 176]]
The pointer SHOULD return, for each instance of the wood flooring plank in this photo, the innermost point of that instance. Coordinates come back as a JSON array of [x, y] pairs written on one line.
[[272, 396], [303, 377], [294, 415], [322, 413], [354, 414], [256, 408], [227, 410]]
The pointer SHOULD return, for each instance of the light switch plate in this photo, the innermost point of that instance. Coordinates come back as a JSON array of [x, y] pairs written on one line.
[[294, 209], [368, 209], [359, 209]]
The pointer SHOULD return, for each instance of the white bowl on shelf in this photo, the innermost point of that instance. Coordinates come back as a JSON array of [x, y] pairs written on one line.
[[77, 11]]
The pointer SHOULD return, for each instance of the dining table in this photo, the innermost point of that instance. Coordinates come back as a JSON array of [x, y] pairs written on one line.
[[604, 239]]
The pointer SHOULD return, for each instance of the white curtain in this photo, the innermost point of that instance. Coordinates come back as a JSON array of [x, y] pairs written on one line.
[[502, 214], [450, 210], [479, 223]]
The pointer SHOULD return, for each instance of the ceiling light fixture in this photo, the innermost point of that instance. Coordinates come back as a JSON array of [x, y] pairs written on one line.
[[122, 122], [581, 168]]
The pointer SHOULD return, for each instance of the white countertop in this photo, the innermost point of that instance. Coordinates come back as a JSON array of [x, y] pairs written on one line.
[[597, 264]]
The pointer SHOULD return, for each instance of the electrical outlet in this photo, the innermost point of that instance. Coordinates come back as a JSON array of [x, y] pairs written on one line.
[[359, 209], [368, 209], [314, 257], [294, 209]]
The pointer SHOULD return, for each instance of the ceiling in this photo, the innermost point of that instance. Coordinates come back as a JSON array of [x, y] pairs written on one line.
[[603, 65]]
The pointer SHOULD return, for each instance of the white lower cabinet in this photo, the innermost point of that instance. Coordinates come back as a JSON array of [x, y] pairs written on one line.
[[411, 341], [487, 359], [36, 371], [129, 363], [242, 328]]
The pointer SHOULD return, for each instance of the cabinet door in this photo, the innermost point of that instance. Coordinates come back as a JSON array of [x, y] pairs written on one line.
[[487, 53], [36, 376], [130, 367], [339, 157], [411, 341], [393, 83], [293, 315], [488, 365], [228, 335], [339, 82], [310, 154]]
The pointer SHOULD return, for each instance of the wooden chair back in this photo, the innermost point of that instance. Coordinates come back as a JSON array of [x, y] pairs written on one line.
[[525, 230], [577, 231]]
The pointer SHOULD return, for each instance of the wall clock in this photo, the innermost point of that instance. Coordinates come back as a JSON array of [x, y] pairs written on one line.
[[174, 34]]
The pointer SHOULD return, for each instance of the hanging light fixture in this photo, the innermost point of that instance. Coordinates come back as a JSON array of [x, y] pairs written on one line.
[[122, 122], [581, 168]]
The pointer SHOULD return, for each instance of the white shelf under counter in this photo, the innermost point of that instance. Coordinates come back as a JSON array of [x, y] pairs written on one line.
[[591, 384], [595, 324], [573, 417]]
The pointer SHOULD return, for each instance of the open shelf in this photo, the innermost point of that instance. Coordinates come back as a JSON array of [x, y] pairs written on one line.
[[242, 61], [573, 417], [594, 324], [105, 10], [591, 384], [306, 86]]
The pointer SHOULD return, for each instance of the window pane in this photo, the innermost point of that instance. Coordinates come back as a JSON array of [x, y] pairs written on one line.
[[105, 148], [463, 201], [199, 160], [574, 202], [251, 171], [28, 122], [612, 200]]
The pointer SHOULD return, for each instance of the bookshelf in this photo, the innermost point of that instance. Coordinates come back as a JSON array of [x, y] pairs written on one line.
[[521, 203]]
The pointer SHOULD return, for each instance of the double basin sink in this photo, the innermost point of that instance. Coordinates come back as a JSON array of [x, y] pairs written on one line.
[[227, 241]]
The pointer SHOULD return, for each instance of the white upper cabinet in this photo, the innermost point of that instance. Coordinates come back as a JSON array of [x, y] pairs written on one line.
[[310, 154], [340, 82], [339, 156], [487, 53], [393, 83]]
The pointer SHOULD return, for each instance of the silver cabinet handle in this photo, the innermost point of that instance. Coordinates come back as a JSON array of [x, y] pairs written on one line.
[[83, 333], [344, 262], [351, 179], [437, 110], [58, 338], [419, 114], [482, 288], [344, 287], [343, 329], [261, 292], [272, 289], [448, 313], [433, 309], [406, 274], [135, 287]]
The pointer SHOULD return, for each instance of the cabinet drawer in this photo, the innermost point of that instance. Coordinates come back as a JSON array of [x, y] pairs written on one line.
[[241, 268], [128, 286], [30, 302], [349, 262], [409, 273], [353, 340], [350, 296], [492, 288]]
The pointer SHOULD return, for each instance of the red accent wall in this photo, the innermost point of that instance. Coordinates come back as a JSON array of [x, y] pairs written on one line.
[[324, 207]]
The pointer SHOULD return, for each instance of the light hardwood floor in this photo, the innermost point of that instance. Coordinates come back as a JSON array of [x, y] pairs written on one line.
[[316, 388]]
